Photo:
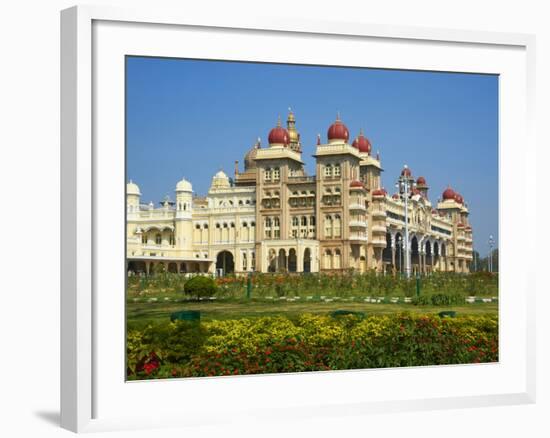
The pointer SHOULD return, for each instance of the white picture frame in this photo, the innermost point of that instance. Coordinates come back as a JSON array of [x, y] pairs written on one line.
[[85, 321]]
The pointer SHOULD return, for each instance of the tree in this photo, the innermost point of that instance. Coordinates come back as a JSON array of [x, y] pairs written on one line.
[[200, 286], [483, 264]]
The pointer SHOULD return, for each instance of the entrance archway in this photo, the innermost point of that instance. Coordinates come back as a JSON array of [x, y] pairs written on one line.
[[292, 261], [225, 261], [282, 260], [415, 254]]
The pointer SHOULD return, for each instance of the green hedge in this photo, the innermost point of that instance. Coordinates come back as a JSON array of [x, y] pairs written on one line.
[[345, 284], [312, 343]]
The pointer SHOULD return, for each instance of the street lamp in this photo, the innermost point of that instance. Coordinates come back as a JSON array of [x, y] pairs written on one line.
[[490, 261], [405, 183]]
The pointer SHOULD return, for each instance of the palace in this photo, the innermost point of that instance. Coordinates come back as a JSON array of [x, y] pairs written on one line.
[[274, 217]]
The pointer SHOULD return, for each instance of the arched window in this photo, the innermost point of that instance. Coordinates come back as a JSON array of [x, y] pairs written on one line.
[[336, 170], [312, 220], [328, 259], [245, 225], [172, 239], [144, 238], [337, 226], [276, 230], [267, 174], [198, 226], [304, 221], [276, 174], [158, 239], [336, 264], [205, 226], [328, 226], [328, 170], [295, 221]]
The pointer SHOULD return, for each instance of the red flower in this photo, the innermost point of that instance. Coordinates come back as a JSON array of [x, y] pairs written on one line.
[[150, 367]]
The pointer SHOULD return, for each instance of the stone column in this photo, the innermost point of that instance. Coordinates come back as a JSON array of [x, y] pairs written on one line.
[[393, 267], [300, 258]]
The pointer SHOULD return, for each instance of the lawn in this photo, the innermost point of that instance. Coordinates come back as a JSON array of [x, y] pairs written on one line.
[[141, 314]]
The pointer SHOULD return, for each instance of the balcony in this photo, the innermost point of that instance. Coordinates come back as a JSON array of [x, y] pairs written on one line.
[[378, 242], [357, 224], [301, 179], [379, 214], [379, 229], [357, 207], [354, 238]]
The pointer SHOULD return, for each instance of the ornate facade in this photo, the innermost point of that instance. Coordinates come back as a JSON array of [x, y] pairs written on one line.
[[274, 217]]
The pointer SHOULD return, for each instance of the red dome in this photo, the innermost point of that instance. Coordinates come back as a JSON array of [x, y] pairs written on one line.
[[421, 181], [338, 131], [395, 196], [362, 143], [449, 193], [460, 225], [356, 184], [459, 198], [379, 192], [406, 171], [415, 191], [278, 135]]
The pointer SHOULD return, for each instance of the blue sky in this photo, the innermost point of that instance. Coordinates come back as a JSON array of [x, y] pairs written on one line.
[[189, 118]]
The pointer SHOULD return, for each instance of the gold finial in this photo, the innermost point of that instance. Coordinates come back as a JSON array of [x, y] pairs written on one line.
[[338, 115], [318, 139], [290, 119], [279, 121], [361, 132], [258, 143]]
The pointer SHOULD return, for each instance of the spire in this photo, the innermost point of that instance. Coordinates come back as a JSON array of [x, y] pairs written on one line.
[[338, 116], [318, 139], [294, 136], [278, 121]]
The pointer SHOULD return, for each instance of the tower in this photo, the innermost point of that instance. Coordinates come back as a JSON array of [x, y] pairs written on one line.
[[183, 218], [133, 196], [293, 135], [341, 229]]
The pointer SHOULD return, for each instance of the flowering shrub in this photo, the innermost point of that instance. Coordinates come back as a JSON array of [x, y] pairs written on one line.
[[311, 343]]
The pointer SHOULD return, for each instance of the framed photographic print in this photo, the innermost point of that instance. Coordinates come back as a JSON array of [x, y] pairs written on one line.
[[266, 218]]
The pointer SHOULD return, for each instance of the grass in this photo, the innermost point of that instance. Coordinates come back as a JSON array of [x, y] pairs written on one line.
[[141, 314]]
